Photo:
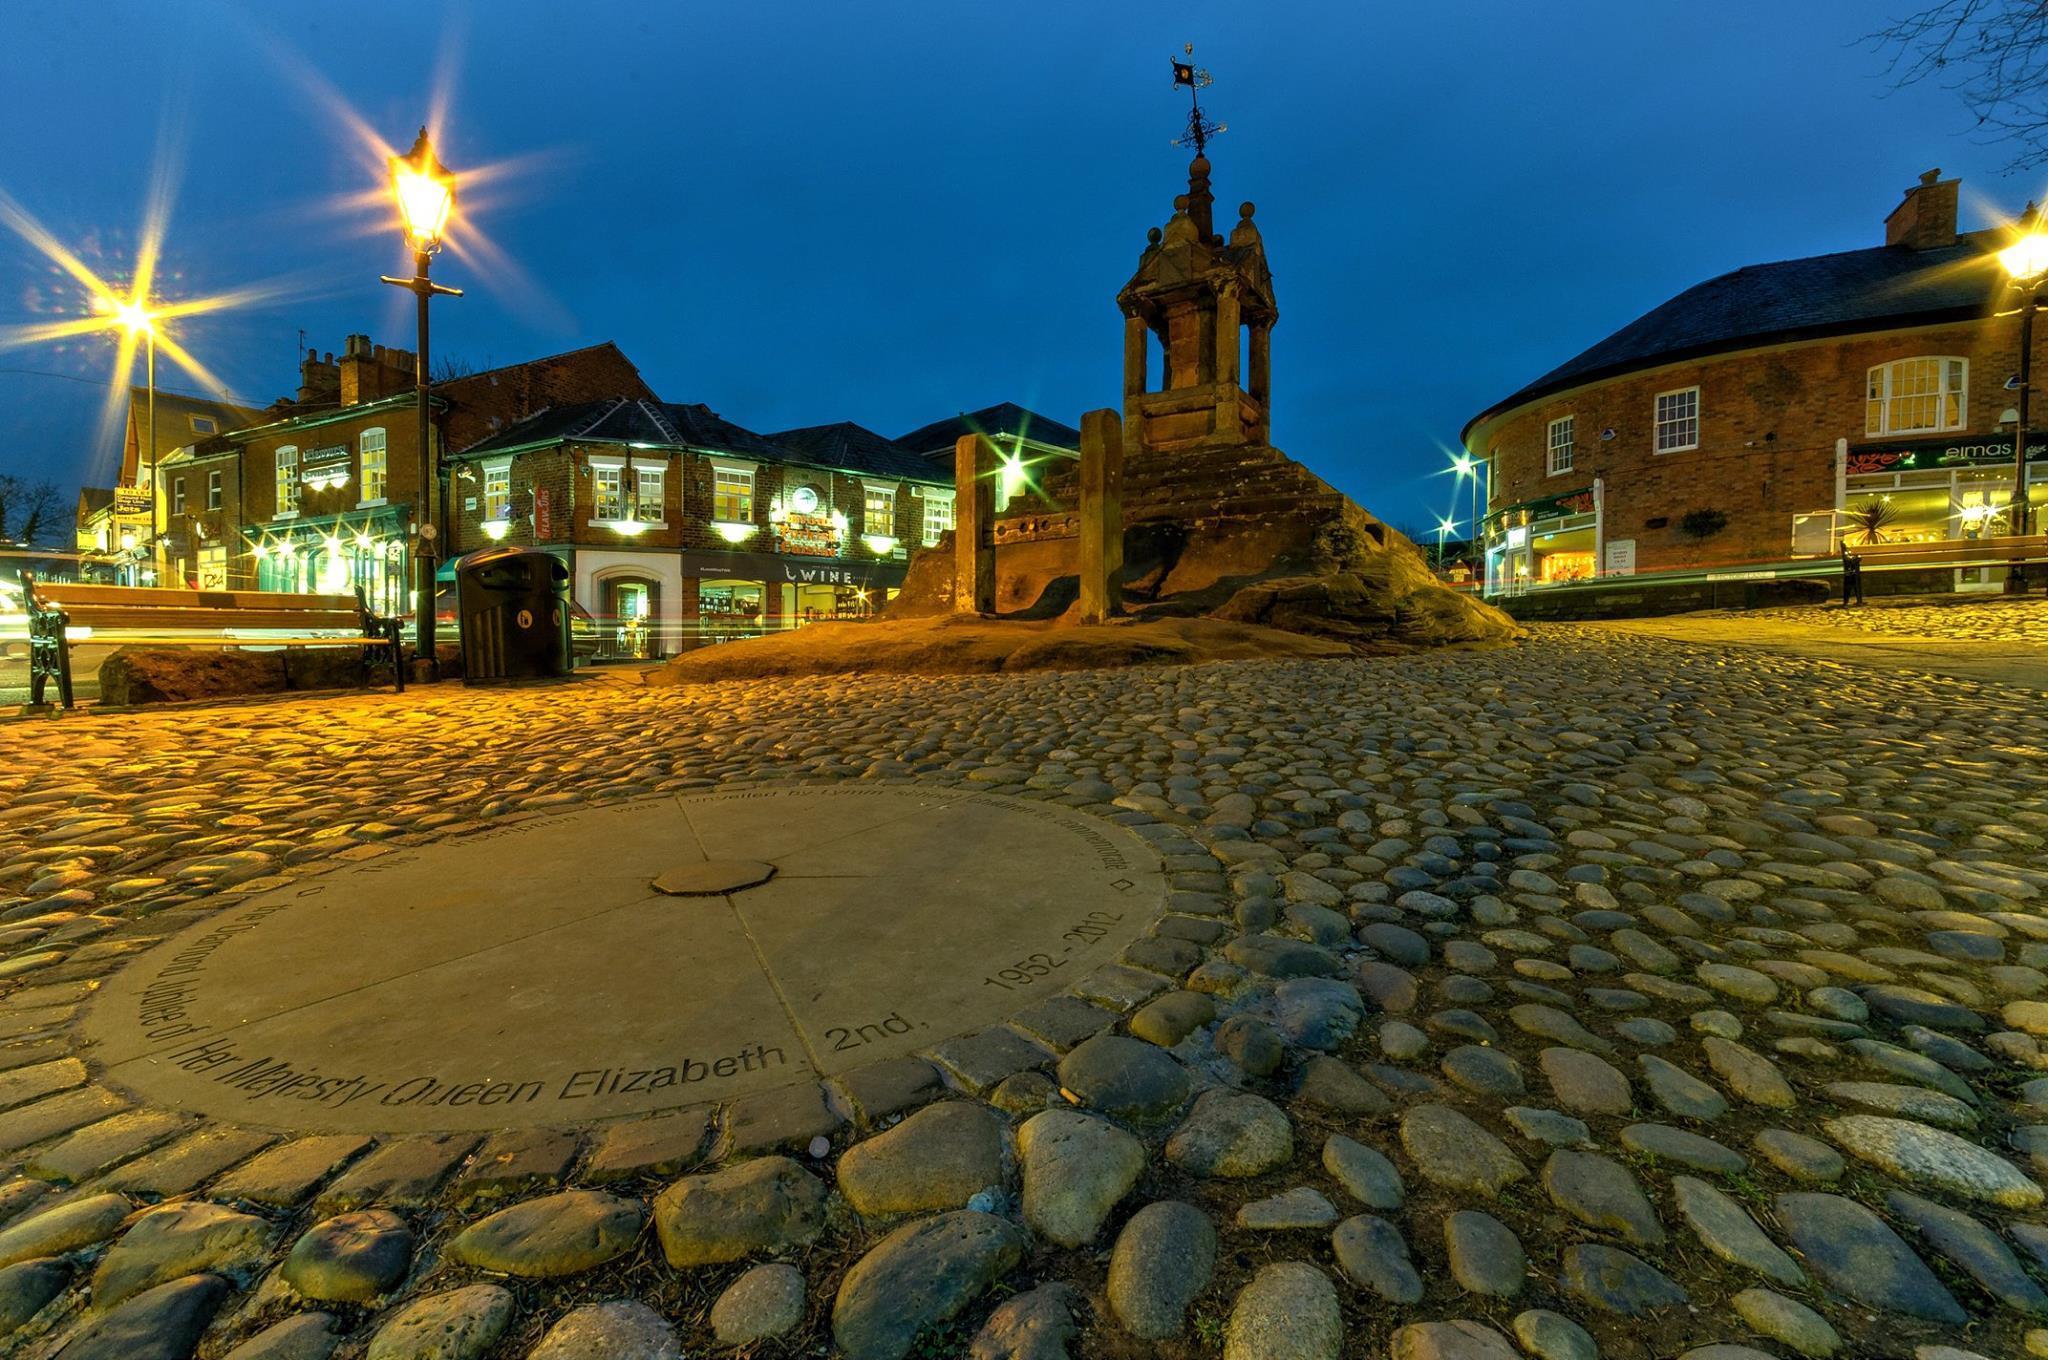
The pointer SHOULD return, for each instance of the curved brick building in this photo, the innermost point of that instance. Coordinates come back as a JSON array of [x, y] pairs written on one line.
[[1742, 429]]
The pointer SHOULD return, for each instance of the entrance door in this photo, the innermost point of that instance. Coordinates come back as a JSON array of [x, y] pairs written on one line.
[[1978, 508], [630, 624]]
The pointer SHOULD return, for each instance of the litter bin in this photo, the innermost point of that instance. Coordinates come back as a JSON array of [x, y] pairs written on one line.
[[514, 605]]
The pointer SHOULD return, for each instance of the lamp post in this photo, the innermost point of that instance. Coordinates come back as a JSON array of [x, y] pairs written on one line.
[[1465, 465], [426, 196], [139, 321], [1443, 528], [2026, 264]]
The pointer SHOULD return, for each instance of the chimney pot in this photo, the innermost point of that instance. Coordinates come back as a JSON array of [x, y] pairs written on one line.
[[1926, 218]]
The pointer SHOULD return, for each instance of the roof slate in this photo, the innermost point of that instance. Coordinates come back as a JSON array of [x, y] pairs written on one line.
[[936, 440], [625, 421], [855, 448], [1843, 293]]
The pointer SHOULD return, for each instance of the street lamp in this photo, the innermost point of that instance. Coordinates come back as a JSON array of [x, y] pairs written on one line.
[[426, 196], [1465, 465], [2026, 264], [139, 321]]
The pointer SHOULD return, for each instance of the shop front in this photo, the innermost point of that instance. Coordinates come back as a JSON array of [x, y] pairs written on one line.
[[1553, 541], [730, 595], [1958, 490], [330, 555]]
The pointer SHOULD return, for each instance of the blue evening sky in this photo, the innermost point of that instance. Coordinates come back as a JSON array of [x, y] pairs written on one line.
[[890, 212]]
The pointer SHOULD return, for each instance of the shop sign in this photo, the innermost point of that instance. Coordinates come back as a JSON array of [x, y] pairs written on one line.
[[1955, 451], [808, 535], [819, 576], [1621, 558], [543, 515], [318, 467], [131, 500]]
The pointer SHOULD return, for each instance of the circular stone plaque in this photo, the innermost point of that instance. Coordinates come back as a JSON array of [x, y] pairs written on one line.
[[531, 974]]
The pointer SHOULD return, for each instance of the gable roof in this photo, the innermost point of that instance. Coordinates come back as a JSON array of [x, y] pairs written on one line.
[[1845, 293], [936, 440], [855, 448], [627, 420]]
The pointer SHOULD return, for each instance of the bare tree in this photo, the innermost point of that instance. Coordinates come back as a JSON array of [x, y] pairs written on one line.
[[29, 512], [449, 367], [1993, 53]]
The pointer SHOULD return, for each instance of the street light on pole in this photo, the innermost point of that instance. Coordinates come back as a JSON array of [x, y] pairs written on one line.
[[139, 321], [1443, 528], [2026, 264], [1465, 465], [426, 197]]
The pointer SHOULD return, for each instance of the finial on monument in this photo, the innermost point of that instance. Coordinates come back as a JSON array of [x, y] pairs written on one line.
[[1199, 128]]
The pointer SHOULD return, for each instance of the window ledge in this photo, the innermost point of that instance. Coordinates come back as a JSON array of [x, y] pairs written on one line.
[[1676, 448], [371, 504], [284, 514]]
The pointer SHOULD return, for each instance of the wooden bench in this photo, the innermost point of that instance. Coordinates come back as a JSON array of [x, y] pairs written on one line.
[[200, 620]]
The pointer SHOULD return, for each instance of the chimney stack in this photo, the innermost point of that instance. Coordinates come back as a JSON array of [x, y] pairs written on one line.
[[319, 380], [372, 372], [1926, 220]]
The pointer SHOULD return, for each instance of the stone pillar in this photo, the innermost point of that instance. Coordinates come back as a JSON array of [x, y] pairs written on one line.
[[1229, 410], [1261, 379], [1102, 515], [1135, 334], [974, 512]]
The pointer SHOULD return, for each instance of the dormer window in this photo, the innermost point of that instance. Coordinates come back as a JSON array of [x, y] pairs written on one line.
[[1917, 396]]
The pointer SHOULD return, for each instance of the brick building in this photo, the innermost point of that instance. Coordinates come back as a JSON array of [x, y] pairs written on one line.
[[1753, 423], [1031, 449], [680, 527], [320, 492]]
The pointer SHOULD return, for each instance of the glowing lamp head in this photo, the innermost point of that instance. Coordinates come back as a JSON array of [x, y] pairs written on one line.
[[1447, 526], [425, 192], [2026, 259], [1462, 464], [135, 317]]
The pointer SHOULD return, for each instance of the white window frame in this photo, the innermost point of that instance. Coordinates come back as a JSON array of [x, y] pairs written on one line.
[[1881, 396], [890, 491], [373, 441], [497, 505], [721, 468], [205, 425], [938, 515], [178, 494], [1659, 422], [215, 485], [1568, 427], [643, 470], [287, 459], [603, 468]]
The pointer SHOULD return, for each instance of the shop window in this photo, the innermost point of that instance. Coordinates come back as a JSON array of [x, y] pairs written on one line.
[[1916, 396], [650, 482], [1678, 420], [177, 495], [213, 489], [938, 515], [732, 495], [608, 493], [213, 567], [1561, 439], [375, 466], [498, 491], [288, 480], [1559, 567], [880, 519]]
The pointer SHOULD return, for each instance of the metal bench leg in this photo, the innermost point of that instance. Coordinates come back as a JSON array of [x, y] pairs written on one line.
[[64, 661], [397, 653]]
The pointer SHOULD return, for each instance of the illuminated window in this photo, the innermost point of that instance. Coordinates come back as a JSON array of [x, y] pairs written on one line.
[[177, 495], [1678, 420], [1915, 396], [213, 489], [498, 490], [651, 481], [288, 480], [375, 467], [938, 515], [880, 519], [609, 492], [732, 495], [1561, 439]]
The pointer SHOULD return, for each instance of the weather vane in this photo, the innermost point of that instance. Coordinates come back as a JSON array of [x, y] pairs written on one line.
[[1200, 129]]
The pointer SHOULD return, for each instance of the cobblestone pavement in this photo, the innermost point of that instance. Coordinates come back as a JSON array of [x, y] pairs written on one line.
[[1986, 618], [1604, 995]]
